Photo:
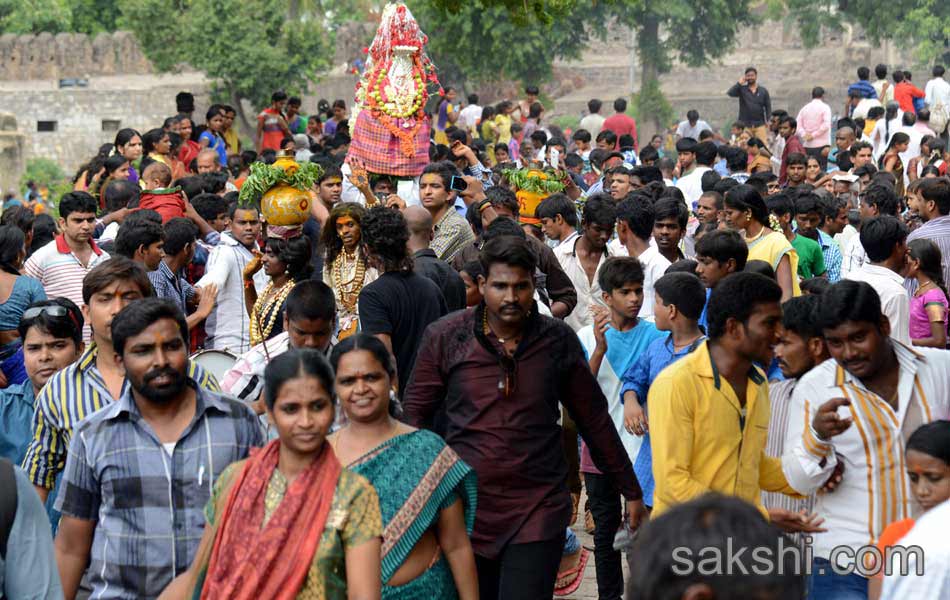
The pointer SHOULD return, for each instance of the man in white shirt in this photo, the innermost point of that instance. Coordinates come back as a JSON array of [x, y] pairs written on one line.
[[582, 258], [885, 241], [691, 180], [877, 199], [692, 126], [883, 87], [635, 219], [937, 90], [470, 115], [909, 121], [859, 408], [593, 122], [228, 326]]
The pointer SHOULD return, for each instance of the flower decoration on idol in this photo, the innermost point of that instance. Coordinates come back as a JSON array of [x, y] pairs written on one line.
[[394, 87]]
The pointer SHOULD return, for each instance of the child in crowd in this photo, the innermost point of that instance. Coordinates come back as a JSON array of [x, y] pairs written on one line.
[[470, 274], [613, 343], [815, 286], [718, 253], [928, 307], [168, 202], [811, 262], [927, 455], [680, 299]]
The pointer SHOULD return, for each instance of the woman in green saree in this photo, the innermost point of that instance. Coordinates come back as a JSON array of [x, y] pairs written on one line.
[[289, 522], [427, 494]]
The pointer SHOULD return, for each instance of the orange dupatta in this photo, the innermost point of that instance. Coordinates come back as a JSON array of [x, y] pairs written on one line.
[[249, 561]]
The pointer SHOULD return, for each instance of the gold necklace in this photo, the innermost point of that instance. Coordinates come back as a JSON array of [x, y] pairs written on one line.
[[348, 292], [268, 303], [749, 240], [488, 330]]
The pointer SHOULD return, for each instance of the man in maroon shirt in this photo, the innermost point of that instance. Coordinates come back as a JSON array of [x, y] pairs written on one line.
[[788, 129], [490, 380], [621, 123]]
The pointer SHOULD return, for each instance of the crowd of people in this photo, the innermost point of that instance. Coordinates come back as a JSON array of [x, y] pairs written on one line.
[[725, 336]]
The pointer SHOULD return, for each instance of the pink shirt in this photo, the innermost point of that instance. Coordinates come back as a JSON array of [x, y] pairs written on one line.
[[815, 118], [919, 321]]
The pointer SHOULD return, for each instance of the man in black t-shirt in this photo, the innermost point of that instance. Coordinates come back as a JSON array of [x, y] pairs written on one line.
[[427, 263], [400, 304]]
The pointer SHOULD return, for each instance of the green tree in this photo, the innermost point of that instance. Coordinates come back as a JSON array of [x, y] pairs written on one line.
[[17, 16], [94, 16], [483, 41], [250, 47], [691, 31], [922, 26]]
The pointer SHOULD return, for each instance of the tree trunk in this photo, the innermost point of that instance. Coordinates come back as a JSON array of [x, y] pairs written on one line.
[[651, 61], [243, 123]]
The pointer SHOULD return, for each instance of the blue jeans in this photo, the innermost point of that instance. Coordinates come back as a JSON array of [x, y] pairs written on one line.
[[825, 584]]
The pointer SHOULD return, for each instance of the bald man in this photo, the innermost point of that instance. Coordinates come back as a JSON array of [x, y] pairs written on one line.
[[207, 161], [840, 158], [426, 261]]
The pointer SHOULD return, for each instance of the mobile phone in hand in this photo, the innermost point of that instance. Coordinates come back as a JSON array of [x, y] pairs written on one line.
[[458, 184]]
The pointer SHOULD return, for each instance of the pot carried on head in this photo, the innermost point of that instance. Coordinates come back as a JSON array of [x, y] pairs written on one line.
[[283, 190], [532, 186]]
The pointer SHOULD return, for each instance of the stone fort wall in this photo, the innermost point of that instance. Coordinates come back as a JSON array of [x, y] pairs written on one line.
[[68, 55]]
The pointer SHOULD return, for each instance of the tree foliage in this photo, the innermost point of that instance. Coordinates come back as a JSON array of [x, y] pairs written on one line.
[[250, 46], [482, 41], [922, 26], [17, 16]]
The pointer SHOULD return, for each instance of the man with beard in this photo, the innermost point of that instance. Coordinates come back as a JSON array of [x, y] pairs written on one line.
[[885, 389], [93, 381], [141, 471], [496, 375], [800, 347], [709, 412]]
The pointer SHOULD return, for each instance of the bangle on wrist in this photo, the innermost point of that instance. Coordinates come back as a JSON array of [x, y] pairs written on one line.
[[482, 205]]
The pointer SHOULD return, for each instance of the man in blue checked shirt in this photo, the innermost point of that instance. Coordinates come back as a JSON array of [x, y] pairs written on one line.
[[141, 470]]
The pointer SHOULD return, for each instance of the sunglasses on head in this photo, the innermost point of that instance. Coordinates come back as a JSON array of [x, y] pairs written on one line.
[[53, 310]]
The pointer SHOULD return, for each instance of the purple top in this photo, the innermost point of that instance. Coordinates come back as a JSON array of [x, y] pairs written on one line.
[[919, 321]]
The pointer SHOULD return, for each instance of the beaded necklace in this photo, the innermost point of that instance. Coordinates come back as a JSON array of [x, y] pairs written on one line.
[[269, 304], [348, 292]]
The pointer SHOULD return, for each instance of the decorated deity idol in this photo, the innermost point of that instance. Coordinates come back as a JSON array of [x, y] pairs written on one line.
[[390, 129]]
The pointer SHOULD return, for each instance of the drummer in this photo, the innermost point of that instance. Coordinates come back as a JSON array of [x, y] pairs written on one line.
[[93, 381], [309, 322]]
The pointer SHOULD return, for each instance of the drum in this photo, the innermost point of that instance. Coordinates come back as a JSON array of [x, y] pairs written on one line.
[[216, 362]]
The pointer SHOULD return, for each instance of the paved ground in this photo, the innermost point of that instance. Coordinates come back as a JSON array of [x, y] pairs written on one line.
[[588, 589]]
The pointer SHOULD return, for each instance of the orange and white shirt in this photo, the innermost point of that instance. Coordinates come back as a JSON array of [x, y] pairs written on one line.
[[874, 489]]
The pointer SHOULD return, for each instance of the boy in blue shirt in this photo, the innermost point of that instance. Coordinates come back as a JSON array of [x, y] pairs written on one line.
[[612, 344], [718, 253], [679, 301]]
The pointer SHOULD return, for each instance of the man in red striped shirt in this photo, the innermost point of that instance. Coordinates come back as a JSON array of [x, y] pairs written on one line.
[[62, 264]]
